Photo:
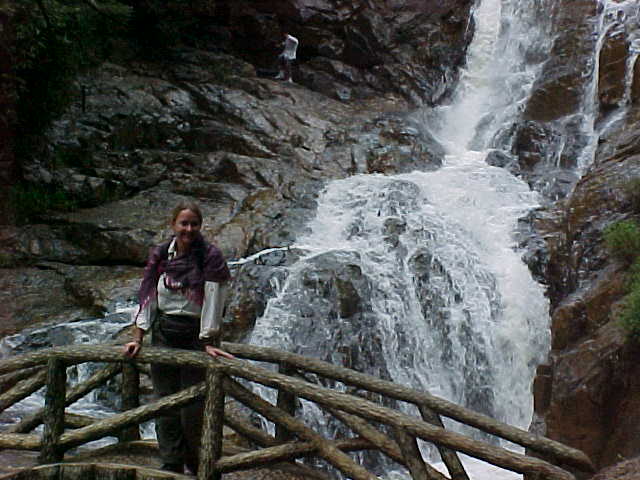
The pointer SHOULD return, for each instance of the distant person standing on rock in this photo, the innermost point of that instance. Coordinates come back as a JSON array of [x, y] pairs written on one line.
[[287, 56], [181, 298]]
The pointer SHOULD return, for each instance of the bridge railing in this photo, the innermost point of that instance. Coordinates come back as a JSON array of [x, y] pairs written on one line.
[[22, 375]]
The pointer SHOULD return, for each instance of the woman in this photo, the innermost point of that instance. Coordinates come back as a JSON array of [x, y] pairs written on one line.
[[180, 297]]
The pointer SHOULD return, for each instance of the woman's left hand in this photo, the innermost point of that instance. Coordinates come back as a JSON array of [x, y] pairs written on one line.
[[216, 352]]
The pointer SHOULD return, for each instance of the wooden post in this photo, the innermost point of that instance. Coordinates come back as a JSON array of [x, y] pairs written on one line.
[[287, 403], [211, 444], [325, 449], [449, 457], [130, 392], [412, 456], [114, 423], [76, 392], [53, 412]]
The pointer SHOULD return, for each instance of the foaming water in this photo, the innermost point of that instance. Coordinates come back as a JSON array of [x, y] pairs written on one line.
[[443, 302], [471, 99]]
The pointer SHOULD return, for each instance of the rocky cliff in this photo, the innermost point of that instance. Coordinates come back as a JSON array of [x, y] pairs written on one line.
[[208, 123], [203, 123], [588, 395]]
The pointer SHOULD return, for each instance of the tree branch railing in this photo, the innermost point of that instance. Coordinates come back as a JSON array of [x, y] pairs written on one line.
[[293, 439]]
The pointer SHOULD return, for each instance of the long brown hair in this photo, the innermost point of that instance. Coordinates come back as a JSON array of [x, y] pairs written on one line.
[[185, 205]]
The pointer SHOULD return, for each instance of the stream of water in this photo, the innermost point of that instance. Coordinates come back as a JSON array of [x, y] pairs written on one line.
[[445, 303], [417, 277]]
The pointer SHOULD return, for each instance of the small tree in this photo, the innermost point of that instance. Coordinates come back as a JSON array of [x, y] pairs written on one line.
[[630, 315], [623, 240]]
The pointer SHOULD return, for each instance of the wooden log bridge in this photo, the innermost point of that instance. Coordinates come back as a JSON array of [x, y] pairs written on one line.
[[22, 375]]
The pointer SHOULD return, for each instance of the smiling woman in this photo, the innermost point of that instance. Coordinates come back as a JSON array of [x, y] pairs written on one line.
[[186, 227], [180, 297]]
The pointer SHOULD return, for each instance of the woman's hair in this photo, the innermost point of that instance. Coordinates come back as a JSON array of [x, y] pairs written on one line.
[[185, 205]]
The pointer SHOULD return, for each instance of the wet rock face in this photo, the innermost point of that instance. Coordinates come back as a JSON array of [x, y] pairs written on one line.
[[553, 136], [254, 152], [599, 383], [8, 165], [356, 50], [330, 296], [55, 292], [588, 395], [550, 139], [560, 89], [613, 57]]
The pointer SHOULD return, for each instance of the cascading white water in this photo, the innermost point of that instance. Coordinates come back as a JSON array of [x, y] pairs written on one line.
[[616, 18], [415, 277], [443, 301]]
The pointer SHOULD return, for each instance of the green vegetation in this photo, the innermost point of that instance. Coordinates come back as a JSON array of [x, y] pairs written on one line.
[[623, 242], [630, 315], [54, 41], [31, 201]]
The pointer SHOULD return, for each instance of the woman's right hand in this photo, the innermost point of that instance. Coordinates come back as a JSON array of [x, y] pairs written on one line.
[[132, 348]]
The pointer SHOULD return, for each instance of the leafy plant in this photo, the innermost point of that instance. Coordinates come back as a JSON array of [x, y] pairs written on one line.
[[623, 240], [54, 41], [30, 201], [630, 315]]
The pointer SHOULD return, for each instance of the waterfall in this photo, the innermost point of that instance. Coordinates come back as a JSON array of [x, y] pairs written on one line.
[[616, 18], [416, 277]]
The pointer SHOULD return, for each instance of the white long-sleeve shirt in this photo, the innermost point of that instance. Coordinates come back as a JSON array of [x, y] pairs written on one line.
[[290, 47], [172, 302]]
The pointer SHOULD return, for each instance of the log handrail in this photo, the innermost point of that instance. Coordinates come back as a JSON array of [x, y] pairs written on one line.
[[10, 379], [22, 389], [373, 412], [537, 443], [357, 413], [329, 452], [74, 394]]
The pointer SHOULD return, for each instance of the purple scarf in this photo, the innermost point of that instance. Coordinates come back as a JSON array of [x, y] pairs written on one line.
[[203, 263]]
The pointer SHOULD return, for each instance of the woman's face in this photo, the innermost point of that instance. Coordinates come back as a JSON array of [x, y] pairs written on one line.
[[186, 227]]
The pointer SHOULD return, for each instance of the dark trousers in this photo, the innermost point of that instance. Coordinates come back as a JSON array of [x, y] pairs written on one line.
[[285, 67], [178, 431]]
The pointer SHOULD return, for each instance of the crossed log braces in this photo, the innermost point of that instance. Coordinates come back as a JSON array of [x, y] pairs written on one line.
[[22, 375]]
